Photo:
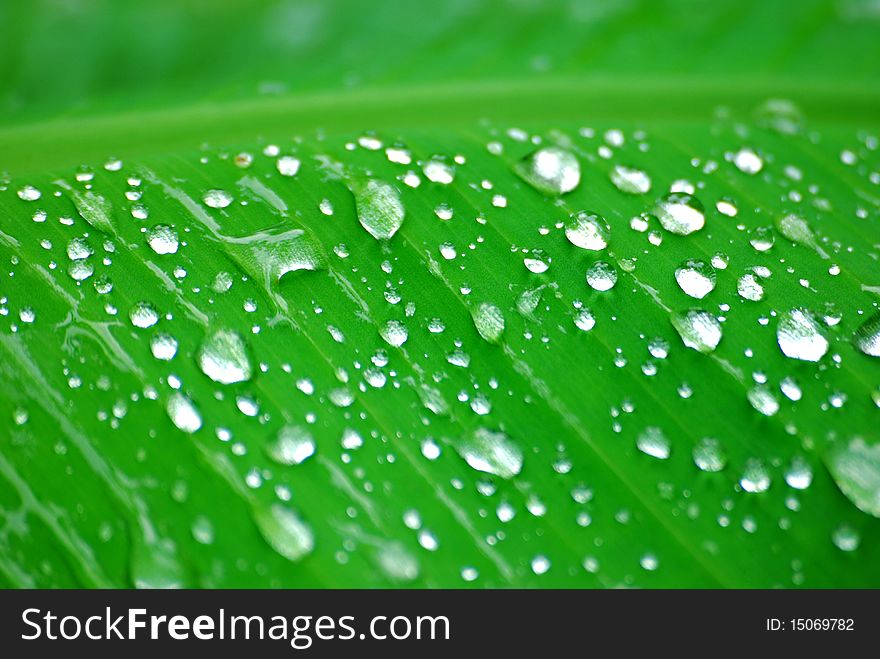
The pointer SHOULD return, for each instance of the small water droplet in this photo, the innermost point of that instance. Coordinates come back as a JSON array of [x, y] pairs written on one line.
[[394, 332], [652, 441], [867, 336], [709, 455]]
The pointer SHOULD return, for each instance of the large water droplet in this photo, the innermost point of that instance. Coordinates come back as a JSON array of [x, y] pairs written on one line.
[[681, 213], [162, 239], [285, 532], [489, 321], [550, 170], [629, 180], [755, 477], [588, 231], [217, 198], [698, 329], [800, 336], [223, 357], [269, 255], [183, 413], [143, 314], [709, 455], [867, 337], [379, 208], [491, 452], [856, 470], [601, 276], [695, 278], [653, 442], [294, 445], [394, 332]]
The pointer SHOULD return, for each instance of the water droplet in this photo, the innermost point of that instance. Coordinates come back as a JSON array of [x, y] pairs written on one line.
[[651, 441], [489, 321], [846, 538], [223, 357], [695, 278], [584, 320], [293, 445], [856, 470], [287, 165], [29, 193], [143, 314], [755, 477], [491, 452], [796, 229], [540, 564], [269, 255], [799, 474], [763, 400], [285, 532], [629, 180], [183, 413], [537, 261], [439, 171], [698, 329], [709, 455], [217, 198], [602, 276], [550, 170], [588, 231], [749, 288], [379, 208], [867, 337], [800, 336], [681, 213], [163, 346], [162, 239], [78, 249], [747, 161], [394, 332]]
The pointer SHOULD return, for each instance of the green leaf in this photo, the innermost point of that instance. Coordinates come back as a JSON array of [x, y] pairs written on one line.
[[328, 295]]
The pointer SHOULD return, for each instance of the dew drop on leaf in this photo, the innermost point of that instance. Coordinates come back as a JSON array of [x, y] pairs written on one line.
[[588, 231], [284, 531], [217, 198], [681, 213], [394, 332], [492, 452], [550, 170], [162, 239], [695, 278], [855, 468], [630, 180], [709, 455], [800, 336], [652, 441], [601, 276], [183, 413], [489, 321], [143, 314], [223, 357], [698, 329], [867, 336], [293, 445], [379, 208]]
